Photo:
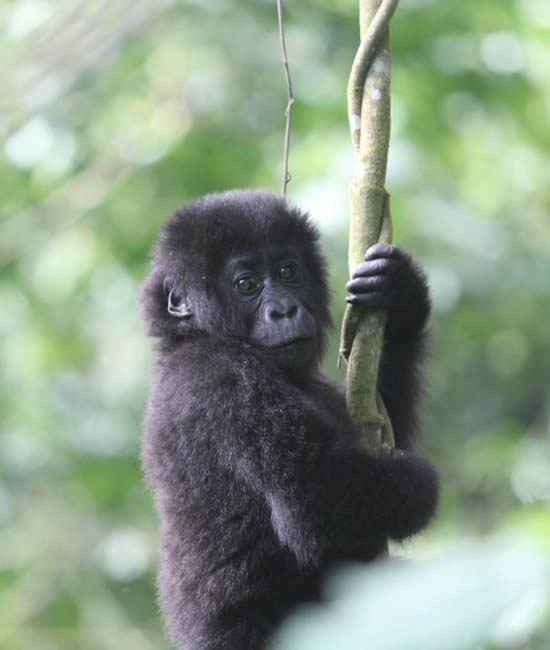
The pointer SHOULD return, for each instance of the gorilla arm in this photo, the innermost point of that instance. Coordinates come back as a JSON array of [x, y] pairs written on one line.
[[391, 280], [326, 494]]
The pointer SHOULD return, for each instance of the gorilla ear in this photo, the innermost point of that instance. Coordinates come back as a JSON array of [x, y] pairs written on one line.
[[177, 305]]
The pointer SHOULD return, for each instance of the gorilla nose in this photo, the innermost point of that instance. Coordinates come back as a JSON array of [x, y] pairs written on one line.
[[283, 308]]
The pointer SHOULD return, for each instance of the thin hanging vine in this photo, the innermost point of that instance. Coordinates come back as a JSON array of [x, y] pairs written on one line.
[[290, 96]]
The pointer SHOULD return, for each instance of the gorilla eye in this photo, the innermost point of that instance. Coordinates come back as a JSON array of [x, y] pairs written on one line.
[[247, 284], [288, 272]]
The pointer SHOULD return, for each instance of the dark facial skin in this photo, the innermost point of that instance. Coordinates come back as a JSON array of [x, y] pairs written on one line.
[[271, 289]]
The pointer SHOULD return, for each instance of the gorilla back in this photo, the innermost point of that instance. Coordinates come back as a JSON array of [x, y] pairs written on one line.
[[258, 476]]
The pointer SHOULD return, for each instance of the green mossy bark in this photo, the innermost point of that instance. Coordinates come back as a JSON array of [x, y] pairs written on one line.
[[370, 220]]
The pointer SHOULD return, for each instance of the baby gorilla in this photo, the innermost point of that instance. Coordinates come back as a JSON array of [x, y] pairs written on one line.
[[259, 478]]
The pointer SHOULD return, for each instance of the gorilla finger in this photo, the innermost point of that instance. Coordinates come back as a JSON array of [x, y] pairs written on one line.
[[373, 267], [373, 299], [383, 250], [366, 284], [397, 453]]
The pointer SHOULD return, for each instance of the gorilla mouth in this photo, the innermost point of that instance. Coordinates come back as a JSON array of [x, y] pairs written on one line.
[[291, 342]]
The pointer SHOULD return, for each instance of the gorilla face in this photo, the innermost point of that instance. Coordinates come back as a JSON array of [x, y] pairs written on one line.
[[270, 289], [244, 265]]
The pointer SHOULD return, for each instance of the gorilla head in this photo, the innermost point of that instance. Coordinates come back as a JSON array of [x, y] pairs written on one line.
[[240, 264]]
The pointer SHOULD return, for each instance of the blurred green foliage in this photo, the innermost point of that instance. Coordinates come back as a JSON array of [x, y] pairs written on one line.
[[469, 597], [114, 112]]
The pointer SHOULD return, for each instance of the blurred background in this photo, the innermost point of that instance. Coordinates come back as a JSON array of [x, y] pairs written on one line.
[[114, 112]]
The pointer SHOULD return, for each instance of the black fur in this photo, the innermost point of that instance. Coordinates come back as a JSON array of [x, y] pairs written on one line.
[[259, 479]]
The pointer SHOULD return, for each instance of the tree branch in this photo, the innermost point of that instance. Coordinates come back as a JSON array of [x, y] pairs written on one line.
[[369, 92], [375, 32]]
